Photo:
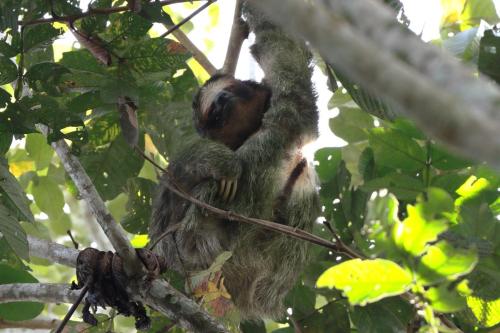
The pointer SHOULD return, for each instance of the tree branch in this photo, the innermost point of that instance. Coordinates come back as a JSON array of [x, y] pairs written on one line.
[[239, 32], [440, 94], [88, 192], [54, 252], [197, 54], [37, 292], [39, 324]]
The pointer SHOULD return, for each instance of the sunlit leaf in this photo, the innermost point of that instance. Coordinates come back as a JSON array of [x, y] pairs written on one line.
[[445, 298], [48, 197], [415, 232], [487, 313], [367, 281], [444, 262], [39, 150]]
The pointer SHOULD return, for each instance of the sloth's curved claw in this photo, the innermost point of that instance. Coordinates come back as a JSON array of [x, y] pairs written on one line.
[[233, 192], [222, 187]]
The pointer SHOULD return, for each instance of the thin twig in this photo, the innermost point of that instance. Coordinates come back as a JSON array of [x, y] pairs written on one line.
[[72, 309], [187, 18], [75, 244]]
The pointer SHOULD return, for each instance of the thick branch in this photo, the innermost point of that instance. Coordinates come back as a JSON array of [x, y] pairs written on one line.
[[158, 295], [239, 32], [54, 252], [39, 324], [438, 92], [197, 54], [165, 299], [37, 292], [88, 192]]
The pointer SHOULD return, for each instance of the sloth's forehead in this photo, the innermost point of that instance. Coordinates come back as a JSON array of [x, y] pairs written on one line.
[[211, 90]]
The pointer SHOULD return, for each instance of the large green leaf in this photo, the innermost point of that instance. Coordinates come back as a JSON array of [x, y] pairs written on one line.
[[8, 70], [13, 232], [415, 232], [351, 124], [18, 310], [487, 313], [395, 150], [328, 160], [12, 193], [445, 298], [367, 281], [48, 197], [39, 150], [444, 262], [402, 186], [46, 76], [39, 35], [387, 316]]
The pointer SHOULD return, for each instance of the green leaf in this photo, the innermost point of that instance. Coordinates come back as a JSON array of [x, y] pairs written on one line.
[[445, 299], [18, 310], [381, 218], [39, 150], [465, 44], [46, 76], [333, 317], [367, 281], [111, 165], [388, 316], [443, 160], [415, 232], [140, 199], [476, 10], [395, 150], [351, 124], [402, 186], [13, 233], [302, 300], [488, 58], [11, 191], [472, 187], [7, 50], [156, 55], [443, 262], [48, 197], [8, 70], [39, 35], [328, 161], [366, 101], [487, 313]]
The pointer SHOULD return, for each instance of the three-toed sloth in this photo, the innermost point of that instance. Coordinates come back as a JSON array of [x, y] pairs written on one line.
[[247, 160]]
